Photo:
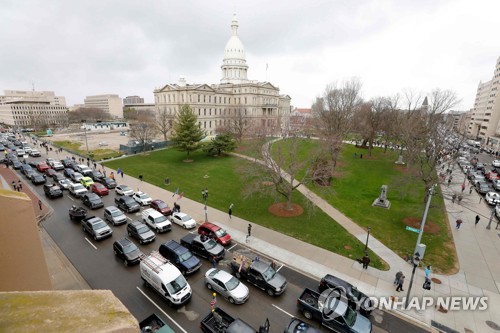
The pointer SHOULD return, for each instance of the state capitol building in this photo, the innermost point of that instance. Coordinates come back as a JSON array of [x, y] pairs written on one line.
[[258, 104]]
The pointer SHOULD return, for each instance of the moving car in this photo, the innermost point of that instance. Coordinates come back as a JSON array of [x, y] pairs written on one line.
[[142, 198], [226, 285], [64, 183], [99, 189], [184, 220], [96, 227], [95, 175], [108, 182], [50, 172], [77, 189], [58, 176], [156, 221], [298, 326], [42, 166], [181, 257], [68, 172], [141, 232], [92, 200], [76, 177], [492, 198], [124, 190], [52, 190], [127, 251], [496, 163], [127, 204], [161, 206], [214, 231], [37, 179], [114, 215], [35, 153], [86, 181]]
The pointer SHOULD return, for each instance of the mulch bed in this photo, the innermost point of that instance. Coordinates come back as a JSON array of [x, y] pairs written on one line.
[[279, 209], [430, 227]]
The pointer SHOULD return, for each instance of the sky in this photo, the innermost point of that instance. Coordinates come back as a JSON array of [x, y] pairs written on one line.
[[92, 47]]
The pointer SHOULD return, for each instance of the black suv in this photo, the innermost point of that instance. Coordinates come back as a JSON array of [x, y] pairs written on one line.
[[356, 298], [127, 251], [92, 200], [108, 182], [95, 175], [141, 232], [52, 191], [127, 204]]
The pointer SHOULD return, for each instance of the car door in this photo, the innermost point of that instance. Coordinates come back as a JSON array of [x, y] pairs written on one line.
[[221, 288], [255, 277], [119, 251]]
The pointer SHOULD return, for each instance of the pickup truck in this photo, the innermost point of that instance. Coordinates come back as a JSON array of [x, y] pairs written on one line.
[[218, 321], [154, 324], [332, 310], [248, 265], [203, 246]]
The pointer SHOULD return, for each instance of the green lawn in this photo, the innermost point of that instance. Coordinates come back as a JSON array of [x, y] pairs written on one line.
[[357, 184], [226, 186], [98, 154]]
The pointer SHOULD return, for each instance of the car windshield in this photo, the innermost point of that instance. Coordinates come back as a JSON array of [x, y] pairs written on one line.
[[355, 293], [125, 188], [220, 233], [99, 225], [186, 218], [185, 256], [79, 187], [116, 213], [232, 283], [176, 285], [161, 219], [142, 229], [269, 273], [210, 244], [162, 205], [144, 196], [350, 316], [129, 248]]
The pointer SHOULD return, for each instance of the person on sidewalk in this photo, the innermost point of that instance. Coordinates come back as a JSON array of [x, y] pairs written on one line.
[[112, 175], [14, 185], [470, 189], [140, 178], [19, 186], [121, 174], [249, 234], [427, 272], [459, 223], [477, 220], [453, 198], [400, 283], [230, 211], [463, 187], [398, 276], [40, 204], [214, 262], [366, 261]]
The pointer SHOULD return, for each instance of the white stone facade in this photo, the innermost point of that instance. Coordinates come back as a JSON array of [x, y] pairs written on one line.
[[33, 109], [484, 123], [259, 104], [111, 104]]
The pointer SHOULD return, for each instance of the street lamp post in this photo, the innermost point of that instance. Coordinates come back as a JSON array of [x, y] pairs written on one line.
[[367, 237], [415, 261], [85, 131], [204, 193]]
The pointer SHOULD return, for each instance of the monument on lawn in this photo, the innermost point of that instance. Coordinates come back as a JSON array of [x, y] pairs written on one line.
[[382, 201], [400, 160]]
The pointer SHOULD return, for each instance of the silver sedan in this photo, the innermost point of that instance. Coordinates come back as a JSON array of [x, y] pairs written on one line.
[[226, 285]]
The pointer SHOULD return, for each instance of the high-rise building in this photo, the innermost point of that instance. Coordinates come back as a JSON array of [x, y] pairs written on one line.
[[484, 124], [258, 104], [111, 104], [32, 109]]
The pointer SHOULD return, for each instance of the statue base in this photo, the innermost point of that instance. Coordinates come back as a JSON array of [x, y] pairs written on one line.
[[381, 203]]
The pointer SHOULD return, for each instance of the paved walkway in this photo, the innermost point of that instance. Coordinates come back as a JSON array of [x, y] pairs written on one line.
[[478, 252]]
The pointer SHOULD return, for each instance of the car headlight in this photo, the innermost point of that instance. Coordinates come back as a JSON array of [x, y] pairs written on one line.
[[278, 289]]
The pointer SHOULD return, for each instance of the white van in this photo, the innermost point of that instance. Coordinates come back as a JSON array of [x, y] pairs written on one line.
[[166, 279], [156, 220]]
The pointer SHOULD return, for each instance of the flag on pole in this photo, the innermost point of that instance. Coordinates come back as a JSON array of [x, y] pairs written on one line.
[[176, 191]]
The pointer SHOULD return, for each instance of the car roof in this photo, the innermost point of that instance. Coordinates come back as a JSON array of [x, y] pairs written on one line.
[[124, 241], [221, 275], [336, 281], [210, 226], [136, 223], [157, 201]]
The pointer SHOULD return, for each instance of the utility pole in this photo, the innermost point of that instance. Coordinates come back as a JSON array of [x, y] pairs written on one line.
[[204, 193], [84, 122], [424, 218]]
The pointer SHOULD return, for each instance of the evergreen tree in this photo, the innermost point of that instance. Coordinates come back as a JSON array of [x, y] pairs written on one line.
[[187, 133], [223, 142]]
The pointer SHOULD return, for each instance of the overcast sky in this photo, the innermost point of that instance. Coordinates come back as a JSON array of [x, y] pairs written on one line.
[[125, 47]]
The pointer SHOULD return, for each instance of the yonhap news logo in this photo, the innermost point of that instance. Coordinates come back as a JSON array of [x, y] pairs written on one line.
[[336, 302]]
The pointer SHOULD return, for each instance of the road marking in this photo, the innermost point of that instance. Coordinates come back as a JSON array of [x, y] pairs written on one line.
[[277, 307], [90, 243], [172, 320], [231, 247], [128, 217], [279, 268], [70, 198], [192, 232]]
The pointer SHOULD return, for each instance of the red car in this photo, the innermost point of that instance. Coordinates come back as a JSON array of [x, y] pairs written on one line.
[[491, 175], [214, 231], [42, 166], [161, 206], [99, 189], [50, 172]]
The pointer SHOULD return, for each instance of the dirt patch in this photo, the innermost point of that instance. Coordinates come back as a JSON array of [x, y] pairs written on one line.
[[267, 183], [347, 247], [430, 227], [279, 209], [188, 161], [436, 280], [402, 168]]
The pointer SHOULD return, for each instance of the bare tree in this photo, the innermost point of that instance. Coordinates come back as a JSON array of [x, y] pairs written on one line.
[[164, 122], [87, 114], [333, 114], [144, 129], [369, 120], [236, 123]]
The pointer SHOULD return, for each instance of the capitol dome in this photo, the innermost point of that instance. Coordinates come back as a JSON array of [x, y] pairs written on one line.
[[234, 67]]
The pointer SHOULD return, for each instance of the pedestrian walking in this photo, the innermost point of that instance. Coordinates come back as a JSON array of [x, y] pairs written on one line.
[[463, 187], [449, 181], [398, 276], [460, 197], [119, 171], [214, 262], [40, 204], [177, 207], [14, 185], [400, 283], [427, 272], [230, 211], [459, 223], [366, 261], [470, 190], [112, 175], [477, 220], [140, 178], [121, 174], [19, 185], [95, 165], [453, 198], [249, 234]]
